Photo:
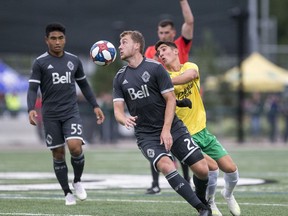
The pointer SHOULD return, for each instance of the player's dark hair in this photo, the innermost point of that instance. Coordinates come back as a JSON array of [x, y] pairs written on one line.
[[170, 44], [55, 27], [137, 37], [166, 22]]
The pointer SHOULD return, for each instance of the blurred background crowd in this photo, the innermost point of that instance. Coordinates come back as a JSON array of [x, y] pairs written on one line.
[[240, 46]]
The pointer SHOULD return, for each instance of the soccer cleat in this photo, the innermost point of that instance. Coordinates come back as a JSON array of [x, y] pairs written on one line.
[[232, 204], [70, 199], [153, 190], [214, 209], [79, 190]]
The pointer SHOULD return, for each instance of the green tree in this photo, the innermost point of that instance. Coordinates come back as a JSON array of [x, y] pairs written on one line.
[[278, 9], [219, 101], [205, 55]]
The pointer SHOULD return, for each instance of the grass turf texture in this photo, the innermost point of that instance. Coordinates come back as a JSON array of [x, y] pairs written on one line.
[[267, 199]]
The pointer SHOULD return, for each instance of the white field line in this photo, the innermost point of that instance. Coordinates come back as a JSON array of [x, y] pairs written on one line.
[[96, 181], [135, 201]]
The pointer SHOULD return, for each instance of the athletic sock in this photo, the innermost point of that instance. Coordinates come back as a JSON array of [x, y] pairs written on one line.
[[78, 166], [200, 188], [183, 188], [212, 185], [61, 172], [67, 191], [155, 177], [185, 169], [231, 180]]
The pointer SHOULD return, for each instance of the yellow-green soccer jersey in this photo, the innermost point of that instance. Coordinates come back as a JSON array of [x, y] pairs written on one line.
[[195, 118]]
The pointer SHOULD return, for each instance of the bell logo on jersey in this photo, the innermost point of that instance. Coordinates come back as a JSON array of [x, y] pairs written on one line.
[[61, 79], [139, 94]]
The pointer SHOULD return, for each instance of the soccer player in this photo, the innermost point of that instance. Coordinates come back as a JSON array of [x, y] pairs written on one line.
[[56, 72], [186, 80], [146, 89], [167, 32]]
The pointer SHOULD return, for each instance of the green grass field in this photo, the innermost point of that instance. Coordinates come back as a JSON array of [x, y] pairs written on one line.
[[255, 200]]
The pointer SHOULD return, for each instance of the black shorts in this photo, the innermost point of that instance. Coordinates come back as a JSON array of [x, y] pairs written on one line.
[[153, 151], [58, 131], [184, 149]]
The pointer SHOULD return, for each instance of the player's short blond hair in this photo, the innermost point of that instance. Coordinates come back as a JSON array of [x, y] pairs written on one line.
[[137, 37]]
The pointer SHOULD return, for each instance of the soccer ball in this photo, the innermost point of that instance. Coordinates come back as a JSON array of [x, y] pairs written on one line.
[[103, 53]]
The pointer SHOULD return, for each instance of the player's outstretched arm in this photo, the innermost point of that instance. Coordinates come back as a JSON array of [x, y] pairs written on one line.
[[187, 29], [186, 77]]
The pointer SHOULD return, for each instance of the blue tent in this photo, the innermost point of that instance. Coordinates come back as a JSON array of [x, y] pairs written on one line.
[[11, 80]]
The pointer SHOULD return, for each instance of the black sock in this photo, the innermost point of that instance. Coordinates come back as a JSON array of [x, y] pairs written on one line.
[[200, 188], [78, 166], [155, 177], [183, 188], [61, 172], [185, 169]]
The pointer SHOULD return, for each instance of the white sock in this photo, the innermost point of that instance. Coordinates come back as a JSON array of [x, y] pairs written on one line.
[[212, 184], [231, 180]]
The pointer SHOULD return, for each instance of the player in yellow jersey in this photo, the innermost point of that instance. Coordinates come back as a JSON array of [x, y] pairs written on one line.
[[186, 80]]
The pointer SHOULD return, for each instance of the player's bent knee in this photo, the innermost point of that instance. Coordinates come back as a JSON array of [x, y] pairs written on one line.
[[226, 164], [212, 164], [75, 146], [165, 165], [200, 169], [229, 169]]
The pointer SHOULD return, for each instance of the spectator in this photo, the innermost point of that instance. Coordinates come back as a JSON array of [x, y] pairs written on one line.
[[284, 112], [109, 128], [88, 119], [13, 104], [272, 110], [2, 104], [255, 109]]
